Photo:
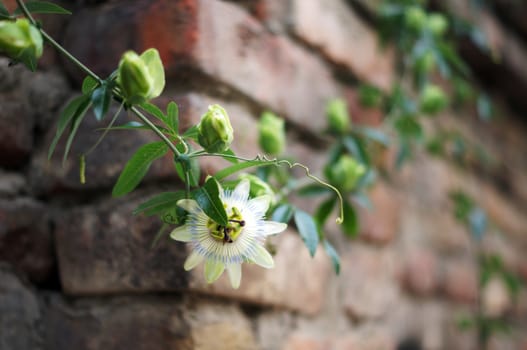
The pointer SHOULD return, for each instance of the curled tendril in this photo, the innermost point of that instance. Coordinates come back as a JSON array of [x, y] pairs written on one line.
[[280, 162]]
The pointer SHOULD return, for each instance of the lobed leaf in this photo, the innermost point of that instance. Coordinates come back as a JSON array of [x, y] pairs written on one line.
[[88, 84], [154, 110], [43, 7], [138, 166], [307, 228], [208, 198], [173, 117]]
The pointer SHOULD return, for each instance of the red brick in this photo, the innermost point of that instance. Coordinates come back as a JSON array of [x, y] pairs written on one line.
[[218, 39], [381, 224], [460, 282], [420, 274], [344, 38]]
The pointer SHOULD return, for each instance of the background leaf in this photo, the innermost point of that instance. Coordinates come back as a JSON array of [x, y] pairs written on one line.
[[100, 99], [324, 210], [332, 253], [307, 229], [159, 203], [208, 198], [154, 110], [88, 84], [351, 221], [43, 7], [283, 213], [173, 116], [138, 166]]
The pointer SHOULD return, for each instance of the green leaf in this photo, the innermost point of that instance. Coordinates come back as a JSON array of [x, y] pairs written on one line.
[[484, 107], [208, 198], [350, 226], [324, 210], [312, 190], [137, 167], [408, 127], [307, 228], [159, 203], [332, 253], [78, 117], [240, 166], [173, 116], [88, 84], [27, 57], [65, 118], [356, 147], [375, 135], [229, 156], [100, 99], [184, 165], [191, 133], [43, 7], [153, 110], [283, 213]]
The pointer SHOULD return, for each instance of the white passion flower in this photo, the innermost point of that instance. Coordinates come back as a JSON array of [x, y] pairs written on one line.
[[227, 247]]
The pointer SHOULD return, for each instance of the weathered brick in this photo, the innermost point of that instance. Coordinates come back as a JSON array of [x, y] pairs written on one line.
[[381, 224], [420, 273], [25, 238], [239, 52], [16, 132], [343, 37], [11, 184], [296, 282], [460, 281], [368, 282], [303, 341], [103, 165], [368, 338], [105, 250], [20, 314]]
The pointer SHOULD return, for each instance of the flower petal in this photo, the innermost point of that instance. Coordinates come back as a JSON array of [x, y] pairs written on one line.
[[259, 205], [182, 234], [189, 205], [192, 261], [273, 227], [262, 257], [241, 192], [213, 270], [235, 274]]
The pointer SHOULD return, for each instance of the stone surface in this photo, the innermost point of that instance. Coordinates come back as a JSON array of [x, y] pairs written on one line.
[[297, 281], [20, 315], [268, 69], [107, 250], [16, 131], [460, 281], [11, 184], [420, 274], [103, 165], [367, 283], [381, 224], [332, 26], [25, 238]]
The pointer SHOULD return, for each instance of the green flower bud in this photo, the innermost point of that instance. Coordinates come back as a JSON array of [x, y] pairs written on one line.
[[345, 173], [426, 63], [415, 18], [437, 24], [271, 133], [337, 114], [141, 78], [433, 99], [19, 38], [215, 132], [258, 186]]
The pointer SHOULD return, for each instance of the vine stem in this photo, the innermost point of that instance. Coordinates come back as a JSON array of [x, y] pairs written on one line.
[[280, 162], [89, 72]]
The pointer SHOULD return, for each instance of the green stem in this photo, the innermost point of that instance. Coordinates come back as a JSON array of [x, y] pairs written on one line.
[[88, 71]]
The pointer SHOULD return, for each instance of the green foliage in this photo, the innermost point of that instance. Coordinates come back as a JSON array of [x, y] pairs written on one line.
[[43, 7], [137, 167], [307, 228], [208, 198]]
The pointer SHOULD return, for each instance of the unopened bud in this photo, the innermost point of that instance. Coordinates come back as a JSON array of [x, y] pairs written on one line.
[[337, 113], [271, 134], [258, 186], [215, 132], [345, 173], [141, 78], [415, 18], [437, 24], [19, 38], [433, 99]]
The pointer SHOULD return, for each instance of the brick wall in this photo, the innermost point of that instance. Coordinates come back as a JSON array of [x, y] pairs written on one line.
[[77, 270]]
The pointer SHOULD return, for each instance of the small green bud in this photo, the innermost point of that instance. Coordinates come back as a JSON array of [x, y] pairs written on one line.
[[437, 24], [215, 132], [433, 99], [415, 18], [426, 63], [19, 38], [258, 186], [271, 133], [345, 173], [141, 78], [337, 114]]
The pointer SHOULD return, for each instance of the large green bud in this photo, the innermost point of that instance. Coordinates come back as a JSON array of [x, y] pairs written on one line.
[[271, 134], [345, 173], [415, 18], [258, 186], [215, 132], [19, 40], [437, 24], [433, 99], [337, 114], [141, 78]]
